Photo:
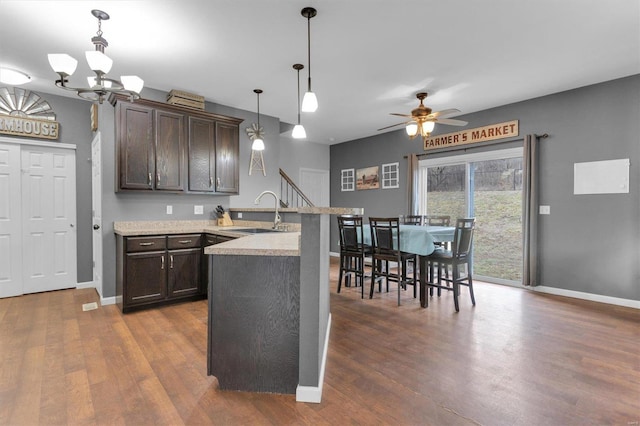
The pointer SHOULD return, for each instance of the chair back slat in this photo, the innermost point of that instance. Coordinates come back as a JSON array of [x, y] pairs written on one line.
[[350, 230], [463, 237], [385, 234], [413, 220], [437, 220]]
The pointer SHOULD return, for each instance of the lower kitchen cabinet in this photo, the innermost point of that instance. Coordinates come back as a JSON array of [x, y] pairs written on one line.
[[158, 270]]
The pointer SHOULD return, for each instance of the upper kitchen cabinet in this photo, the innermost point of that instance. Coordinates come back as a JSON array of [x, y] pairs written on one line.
[[163, 147], [227, 154]]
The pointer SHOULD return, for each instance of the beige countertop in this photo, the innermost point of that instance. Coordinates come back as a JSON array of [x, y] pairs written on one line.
[[266, 244], [304, 210]]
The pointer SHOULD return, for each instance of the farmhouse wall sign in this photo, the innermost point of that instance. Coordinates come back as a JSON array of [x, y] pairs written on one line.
[[24, 113], [507, 129]]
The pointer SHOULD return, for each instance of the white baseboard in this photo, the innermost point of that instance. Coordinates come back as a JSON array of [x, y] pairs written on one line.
[[314, 393], [588, 296], [107, 301], [88, 284], [334, 254]]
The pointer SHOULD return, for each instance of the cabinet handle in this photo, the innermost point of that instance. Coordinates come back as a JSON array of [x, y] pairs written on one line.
[[149, 178], [184, 241], [147, 244], [162, 262], [171, 261], [210, 181], [218, 181], [158, 178]]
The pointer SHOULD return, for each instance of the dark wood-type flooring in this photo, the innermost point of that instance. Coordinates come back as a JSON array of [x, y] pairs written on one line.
[[517, 358]]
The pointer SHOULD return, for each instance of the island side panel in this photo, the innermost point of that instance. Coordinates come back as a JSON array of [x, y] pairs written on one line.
[[314, 296], [254, 311]]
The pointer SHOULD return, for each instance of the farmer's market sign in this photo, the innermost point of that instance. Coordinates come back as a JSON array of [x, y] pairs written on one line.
[[507, 129], [25, 113]]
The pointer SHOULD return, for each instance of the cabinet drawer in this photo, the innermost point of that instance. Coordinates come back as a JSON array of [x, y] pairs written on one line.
[[183, 241], [135, 244]]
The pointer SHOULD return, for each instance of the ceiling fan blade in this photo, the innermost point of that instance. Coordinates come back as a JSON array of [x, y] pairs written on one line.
[[451, 122], [393, 125], [443, 113], [400, 115]]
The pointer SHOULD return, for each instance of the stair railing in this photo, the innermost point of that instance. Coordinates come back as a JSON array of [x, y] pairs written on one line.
[[290, 194]]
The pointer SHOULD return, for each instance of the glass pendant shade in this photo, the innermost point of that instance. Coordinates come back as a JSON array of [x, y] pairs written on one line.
[[412, 128], [427, 127], [257, 145], [298, 132], [132, 82], [13, 77], [309, 102], [98, 61], [62, 63]]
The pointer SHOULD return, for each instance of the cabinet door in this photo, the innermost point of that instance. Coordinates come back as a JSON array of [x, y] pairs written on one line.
[[136, 147], [202, 154], [146, 277], [227, 153], [169, 139], [184, 272]]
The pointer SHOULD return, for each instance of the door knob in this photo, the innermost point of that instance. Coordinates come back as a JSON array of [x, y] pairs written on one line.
[[96, 227]]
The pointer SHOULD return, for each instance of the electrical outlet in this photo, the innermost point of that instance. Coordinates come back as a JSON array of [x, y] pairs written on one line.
[[545, 209], [198, 209], [239, 215], [169, 209]]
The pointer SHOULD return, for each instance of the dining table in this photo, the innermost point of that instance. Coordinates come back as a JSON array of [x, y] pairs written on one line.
[[420, 240]]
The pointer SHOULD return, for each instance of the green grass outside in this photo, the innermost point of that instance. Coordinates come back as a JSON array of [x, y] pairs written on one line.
[[498, 236]]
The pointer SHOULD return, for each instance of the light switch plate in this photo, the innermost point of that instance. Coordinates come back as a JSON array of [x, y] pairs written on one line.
[[198, 209], [169, 209], [545, 209]]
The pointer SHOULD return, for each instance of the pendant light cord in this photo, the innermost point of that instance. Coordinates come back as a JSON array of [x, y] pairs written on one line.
[[298, 96], [309, 48]]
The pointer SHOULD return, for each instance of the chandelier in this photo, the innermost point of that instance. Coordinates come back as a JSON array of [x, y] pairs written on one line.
[[99, 86]]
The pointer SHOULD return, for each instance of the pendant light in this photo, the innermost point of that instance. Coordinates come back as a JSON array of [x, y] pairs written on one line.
[[258, 143], [298, 130], [309, 102]]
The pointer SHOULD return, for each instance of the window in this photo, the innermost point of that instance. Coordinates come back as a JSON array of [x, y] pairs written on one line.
[[390, 176], [347, 180], [487, 186]]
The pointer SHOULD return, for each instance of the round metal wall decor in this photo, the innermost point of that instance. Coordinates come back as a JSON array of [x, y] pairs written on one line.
[[16, 102]]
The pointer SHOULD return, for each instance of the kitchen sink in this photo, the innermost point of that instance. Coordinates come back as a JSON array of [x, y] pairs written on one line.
[[257, 230]]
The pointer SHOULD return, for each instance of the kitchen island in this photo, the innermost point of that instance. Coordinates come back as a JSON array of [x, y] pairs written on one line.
[[269, 316]]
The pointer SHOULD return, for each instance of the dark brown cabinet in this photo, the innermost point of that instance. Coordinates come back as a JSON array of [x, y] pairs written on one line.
[[202, 155], [151, 147], [163, 147], [158, 270], [227, 154]]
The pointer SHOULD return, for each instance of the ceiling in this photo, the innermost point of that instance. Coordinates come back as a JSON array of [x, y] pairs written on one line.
[[368, 57]]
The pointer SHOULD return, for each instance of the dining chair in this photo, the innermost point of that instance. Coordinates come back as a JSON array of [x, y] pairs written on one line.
[[413, 220], [459, 255], [352, 251], [437, 220], [385, 245]]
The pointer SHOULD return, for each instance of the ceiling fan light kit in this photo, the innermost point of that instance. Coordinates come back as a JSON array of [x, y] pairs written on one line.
[[422, 120], [99, 86]]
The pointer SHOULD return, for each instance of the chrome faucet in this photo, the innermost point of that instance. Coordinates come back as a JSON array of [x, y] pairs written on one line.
[[276, 220]]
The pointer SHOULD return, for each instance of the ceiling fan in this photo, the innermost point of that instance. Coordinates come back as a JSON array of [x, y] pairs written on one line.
[[422, 120]]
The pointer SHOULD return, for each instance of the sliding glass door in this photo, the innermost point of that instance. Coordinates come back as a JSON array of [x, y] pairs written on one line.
[[487, 186]]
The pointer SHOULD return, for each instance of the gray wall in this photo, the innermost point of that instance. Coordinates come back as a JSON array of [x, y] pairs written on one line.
[[152, 206], [589, 243]]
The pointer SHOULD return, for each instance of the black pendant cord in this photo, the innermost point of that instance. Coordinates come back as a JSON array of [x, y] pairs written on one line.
[[298, 96], [309, 49]]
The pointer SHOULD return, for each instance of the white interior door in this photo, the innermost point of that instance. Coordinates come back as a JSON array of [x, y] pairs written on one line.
[[96, 206], [49, 219], [10, 222], [315, 185]]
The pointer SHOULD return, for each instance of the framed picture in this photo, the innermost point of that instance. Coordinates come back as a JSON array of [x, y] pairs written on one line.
[[367, 178], [390, 178], [347, 180]]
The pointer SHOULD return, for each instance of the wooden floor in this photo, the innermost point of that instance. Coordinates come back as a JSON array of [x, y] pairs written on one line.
[[517, 358]]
